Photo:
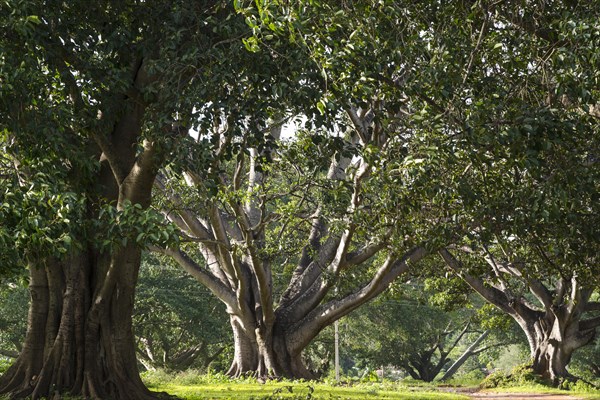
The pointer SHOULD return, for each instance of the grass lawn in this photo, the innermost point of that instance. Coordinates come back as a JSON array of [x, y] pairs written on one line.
[[300, 390], [192, 385]]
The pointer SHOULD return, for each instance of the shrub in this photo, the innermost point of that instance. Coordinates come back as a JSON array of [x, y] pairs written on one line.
[[5, 363], [156, 378], [521, 375]]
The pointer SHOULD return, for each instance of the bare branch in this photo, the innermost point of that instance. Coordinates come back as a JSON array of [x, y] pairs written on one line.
[[360, 124], [494, 296], [188, 221], [139, 181], [492, 262]]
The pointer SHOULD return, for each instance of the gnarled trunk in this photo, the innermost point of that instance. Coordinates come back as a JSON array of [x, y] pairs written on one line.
[[265, 354], [79, 338], [552, 343]]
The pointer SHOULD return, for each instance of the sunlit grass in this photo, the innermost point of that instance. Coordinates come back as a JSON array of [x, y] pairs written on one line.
[[193, 385], [286, 390]]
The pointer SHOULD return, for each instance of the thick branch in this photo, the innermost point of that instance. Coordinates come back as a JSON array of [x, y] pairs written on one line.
[[460, 336], [201, 275], [9, 353], [335, 309], [361, 125], [358, 257], [541, 292], [493, 295], [192, 224], [589, 324], [310, 267], [224, 246], [109, 154], [139, 181]]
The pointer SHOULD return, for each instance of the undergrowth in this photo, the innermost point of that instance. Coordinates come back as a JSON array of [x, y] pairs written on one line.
[[521, 375], [523, 378], [161, 377], [5, 363]]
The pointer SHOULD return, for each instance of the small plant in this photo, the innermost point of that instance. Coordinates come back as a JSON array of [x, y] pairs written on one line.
[[156, 378], [578, 385], [5, 363]]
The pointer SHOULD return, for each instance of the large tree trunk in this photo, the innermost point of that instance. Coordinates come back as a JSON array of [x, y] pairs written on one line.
[[265, 354], [79, 338], [552, 343]]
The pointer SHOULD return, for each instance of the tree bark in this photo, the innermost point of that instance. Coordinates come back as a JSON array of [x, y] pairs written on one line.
[[265, 354], [79, 338], [552, 344]]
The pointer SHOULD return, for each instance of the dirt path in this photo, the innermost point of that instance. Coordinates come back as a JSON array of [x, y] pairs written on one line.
[[475, 393], [520, 396]]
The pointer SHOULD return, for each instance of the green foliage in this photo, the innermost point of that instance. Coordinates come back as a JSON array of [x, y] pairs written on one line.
[[5, 363], [131, 223], [178, 325], [37, 222], [579, 386], [482, 126], [14, 301], [447, 292], [69, 74]]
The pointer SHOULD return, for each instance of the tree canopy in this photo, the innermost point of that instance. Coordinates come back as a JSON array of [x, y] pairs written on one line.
[[467, 129]]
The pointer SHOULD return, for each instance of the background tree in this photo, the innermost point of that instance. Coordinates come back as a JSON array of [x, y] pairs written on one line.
[[411, 332], [533, 222], [13, 319], [557, 319], [177, 327]]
